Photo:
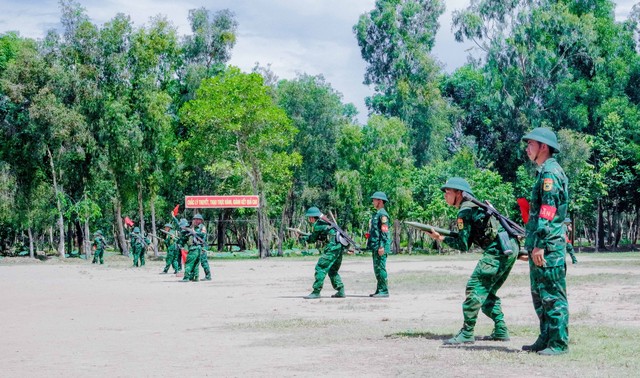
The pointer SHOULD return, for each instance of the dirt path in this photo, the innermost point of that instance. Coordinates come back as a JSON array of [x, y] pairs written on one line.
[[72, 318]]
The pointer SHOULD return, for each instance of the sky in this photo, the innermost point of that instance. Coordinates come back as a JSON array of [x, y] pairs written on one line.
[[293, 36]]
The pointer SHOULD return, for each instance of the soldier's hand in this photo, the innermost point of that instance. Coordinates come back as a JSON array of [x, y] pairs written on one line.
[[380, 251], [435, 235], [538, 257]]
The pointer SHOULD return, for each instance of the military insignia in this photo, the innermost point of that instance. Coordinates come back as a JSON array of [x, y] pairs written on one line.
[[547, 184], [547, 212], [384, 228], [204, 230], [460, 224], [384, 219]]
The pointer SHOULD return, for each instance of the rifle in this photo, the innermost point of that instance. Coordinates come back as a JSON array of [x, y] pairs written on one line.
[[154, 236], [193, 233], [429, 228], [341, 232], [510, 226], [298, 231], [140, 238]]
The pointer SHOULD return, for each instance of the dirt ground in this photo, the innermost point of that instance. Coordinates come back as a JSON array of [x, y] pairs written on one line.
[[72, 318]]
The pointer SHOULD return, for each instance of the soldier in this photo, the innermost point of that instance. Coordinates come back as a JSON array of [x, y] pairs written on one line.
[[546, 244], [567, 232], [138, 246], [171, 242], [499, 255], [330, 257], [197, 242], [98, 247], [379, 243]]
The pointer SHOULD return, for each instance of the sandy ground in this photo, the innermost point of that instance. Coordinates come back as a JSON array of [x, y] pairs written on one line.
[[72, 318]]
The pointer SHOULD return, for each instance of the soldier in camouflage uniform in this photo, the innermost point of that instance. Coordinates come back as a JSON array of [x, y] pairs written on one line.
[[493, 268], [379, 243], [197, 242], [331, 255], [138, 246], [98, 247], [567, 232], [546, 244], [171, 242]]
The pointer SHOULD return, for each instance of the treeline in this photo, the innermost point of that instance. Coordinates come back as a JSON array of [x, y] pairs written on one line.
[[101, 123]]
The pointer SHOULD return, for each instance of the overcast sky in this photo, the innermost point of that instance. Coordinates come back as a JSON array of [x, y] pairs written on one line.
[[294, 36]]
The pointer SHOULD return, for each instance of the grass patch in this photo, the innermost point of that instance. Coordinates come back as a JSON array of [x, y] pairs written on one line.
[[283, 324]]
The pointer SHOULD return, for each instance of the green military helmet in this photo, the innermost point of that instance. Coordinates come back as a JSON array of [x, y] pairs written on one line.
[[198, 216], [457, 183], [183, 222], [380, 196], [543, 135], [98, 232], [567, 220], [169, 225], [136, 230], [313, 212]]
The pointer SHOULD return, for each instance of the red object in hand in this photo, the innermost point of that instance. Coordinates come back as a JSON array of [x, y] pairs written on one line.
[[128, 221], [524, 209], [176, 210], [366, 236]]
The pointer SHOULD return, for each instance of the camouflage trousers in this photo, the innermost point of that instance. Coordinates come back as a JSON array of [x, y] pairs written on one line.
[[490, 273], [204, 261], [98, 256], [549, 294], [138, 255], [192, 265], [172, 259], [328, 263], [380, 271]]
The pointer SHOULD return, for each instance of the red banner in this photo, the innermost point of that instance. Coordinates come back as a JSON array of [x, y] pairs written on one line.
[[219, 202]]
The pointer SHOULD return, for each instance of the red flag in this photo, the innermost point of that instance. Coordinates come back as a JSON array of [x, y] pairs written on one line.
[[176, 210], [524, 209], [128, 221]]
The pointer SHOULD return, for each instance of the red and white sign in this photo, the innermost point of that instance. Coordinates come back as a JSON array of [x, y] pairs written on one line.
[[220, 202]]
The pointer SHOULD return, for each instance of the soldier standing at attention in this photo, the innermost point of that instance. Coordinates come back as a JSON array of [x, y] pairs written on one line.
[[546, 244], [196, 240], [98, 247], [331, 255], [567, 232], [499, 254], [138, 246], [171, 242], [379, 243]]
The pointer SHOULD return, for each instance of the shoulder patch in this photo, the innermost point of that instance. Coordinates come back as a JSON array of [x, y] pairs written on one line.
[[384, 219], [460, 224], [547, 184], [204, 230], [547, 212]]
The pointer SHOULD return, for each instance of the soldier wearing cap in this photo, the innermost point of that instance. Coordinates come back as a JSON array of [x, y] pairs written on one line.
[[379, 243], [138, 246], [546, 244], [171, 242], [330, 257], [491, 271], [98, 247], [567, 232], [197, 242]]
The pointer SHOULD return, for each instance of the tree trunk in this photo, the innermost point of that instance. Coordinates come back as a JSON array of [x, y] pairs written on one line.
[[80, 237], [120, 228], [599, 244], [409, 240], [31, 249], [263, 230], [87, 241], [51, 238], [152, 206], [396, 236], [61, 252], [221, 230], [285, 219], [140, 208]]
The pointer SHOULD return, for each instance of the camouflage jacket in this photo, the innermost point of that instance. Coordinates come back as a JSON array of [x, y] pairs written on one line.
[[322, 231], [379, 234], [474, 227], [547, 211], [99, 243]]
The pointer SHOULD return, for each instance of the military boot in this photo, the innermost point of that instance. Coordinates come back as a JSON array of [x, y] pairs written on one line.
[[207, 277], [380, 295], [552, 352], [463, 337], [500, 332], [314, 295], [535, 347], [339, 293]]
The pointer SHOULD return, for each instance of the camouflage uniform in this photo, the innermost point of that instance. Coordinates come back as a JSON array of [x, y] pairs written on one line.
[[138, 246], [379, 236], [173, 251], [490, 273], [330, 258], [98, 245], [570, 250], [197, 253], [547, 211]]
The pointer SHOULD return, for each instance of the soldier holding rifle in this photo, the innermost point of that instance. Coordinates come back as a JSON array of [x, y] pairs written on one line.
[[500, 250], [171, 242], [98, 247], [331, 255], [196, 240], [138, 246]]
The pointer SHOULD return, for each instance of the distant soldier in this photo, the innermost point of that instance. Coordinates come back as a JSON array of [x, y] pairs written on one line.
[[330, 257], [98, 247], [499, 254], [567, 232], [546, 244], [138, 246], [197, 242], [379, 243], [171, 242]]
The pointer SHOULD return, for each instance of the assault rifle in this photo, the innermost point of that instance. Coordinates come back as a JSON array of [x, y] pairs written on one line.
[[193, 233], [140, 238], [429, 228], [510, 226], [343, 236]]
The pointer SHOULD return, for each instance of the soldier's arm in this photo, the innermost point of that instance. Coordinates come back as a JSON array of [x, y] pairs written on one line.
[[550, 198], [461, 240], [385, 235]]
